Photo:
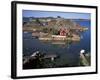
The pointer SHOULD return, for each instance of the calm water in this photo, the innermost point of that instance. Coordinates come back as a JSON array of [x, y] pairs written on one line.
[[69, 53]]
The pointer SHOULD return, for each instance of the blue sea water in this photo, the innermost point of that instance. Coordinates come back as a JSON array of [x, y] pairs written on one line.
[[69, 53]]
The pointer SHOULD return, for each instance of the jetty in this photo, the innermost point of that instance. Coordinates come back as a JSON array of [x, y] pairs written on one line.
[[50, 56], [60, 38]]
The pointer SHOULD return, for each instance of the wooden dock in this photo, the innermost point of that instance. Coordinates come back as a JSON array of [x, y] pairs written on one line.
[[34, 55]]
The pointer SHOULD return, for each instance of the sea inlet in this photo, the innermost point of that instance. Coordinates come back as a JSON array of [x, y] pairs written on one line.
[[67, 53]]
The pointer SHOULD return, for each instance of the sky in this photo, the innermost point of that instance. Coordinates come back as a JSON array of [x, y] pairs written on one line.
[[67, 15]]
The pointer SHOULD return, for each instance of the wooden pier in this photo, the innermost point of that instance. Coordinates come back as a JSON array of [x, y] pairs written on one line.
[[37, 53]]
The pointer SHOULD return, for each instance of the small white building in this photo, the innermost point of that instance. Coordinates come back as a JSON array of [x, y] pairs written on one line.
[[58, 37]]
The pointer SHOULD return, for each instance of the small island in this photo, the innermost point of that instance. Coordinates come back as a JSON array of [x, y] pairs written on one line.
[[49, 28]]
